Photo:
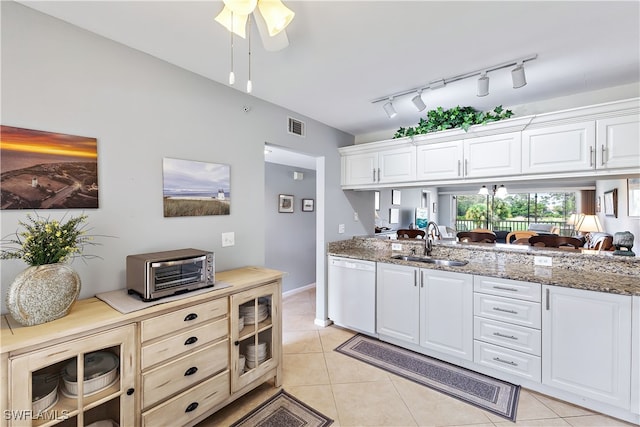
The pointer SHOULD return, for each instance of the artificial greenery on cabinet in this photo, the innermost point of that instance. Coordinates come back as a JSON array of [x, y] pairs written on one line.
[[456, 117]]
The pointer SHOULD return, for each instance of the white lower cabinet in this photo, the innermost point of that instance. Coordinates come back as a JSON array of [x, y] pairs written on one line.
[[446, 312], [429, 308], [586, 344]]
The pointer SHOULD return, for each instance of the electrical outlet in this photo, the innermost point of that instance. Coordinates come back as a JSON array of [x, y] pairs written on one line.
[[396, 246], [340, 228], [545, 261], [228, 239]]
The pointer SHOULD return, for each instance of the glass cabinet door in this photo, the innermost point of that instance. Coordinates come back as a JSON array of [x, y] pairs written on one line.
[[255, 333], [76, 383]]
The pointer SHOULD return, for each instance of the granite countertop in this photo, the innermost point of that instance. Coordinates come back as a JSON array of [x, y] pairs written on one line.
[[496, 263]]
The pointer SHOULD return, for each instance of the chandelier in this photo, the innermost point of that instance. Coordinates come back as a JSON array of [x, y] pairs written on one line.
[[271, 18]]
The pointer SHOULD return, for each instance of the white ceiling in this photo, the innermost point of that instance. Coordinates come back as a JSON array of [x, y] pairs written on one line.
[[344, 54]]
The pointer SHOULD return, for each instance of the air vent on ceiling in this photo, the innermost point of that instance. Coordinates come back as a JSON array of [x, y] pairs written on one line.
[[296, 127]]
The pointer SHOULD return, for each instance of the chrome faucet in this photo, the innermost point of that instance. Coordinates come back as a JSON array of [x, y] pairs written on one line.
[[428, 241]]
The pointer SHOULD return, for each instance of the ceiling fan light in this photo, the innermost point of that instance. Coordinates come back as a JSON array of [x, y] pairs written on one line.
[[388, 108], [518, 77], [241, 7], [233, 22], [276, 15], [483, 85], [418, 102]]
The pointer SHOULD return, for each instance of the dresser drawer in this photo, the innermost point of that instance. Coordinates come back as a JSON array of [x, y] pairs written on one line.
[[508, 288], [524, 313], [505, 360], [185, 318], [183, 373], [188, 340], [507, 335], [190, 404]]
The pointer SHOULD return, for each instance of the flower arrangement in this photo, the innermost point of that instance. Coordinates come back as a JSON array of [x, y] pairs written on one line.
[[47, 241]]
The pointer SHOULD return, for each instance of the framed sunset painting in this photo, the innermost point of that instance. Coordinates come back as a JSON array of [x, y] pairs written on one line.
[[47, 170]]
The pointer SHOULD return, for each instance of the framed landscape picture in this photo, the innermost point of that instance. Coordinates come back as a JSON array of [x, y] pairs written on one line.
[[192, 188], [47, 170]]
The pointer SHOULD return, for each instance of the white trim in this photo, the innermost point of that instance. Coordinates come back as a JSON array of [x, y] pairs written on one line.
[[322, 323], [298, 290]]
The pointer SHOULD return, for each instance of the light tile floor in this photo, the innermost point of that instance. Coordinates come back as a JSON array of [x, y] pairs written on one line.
[[356, 394]]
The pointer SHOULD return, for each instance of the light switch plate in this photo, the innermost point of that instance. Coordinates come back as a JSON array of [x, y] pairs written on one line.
[[396, 246], [228, 239], [341, 228]]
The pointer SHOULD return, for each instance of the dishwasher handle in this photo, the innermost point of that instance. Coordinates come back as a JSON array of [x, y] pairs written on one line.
[[353, 264]]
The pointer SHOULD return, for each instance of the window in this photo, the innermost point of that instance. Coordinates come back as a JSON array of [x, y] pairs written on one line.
[[516, 211]]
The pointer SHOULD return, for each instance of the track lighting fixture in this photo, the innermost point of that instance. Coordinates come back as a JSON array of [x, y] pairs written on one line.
[[418, 102], [388, 108], [483, 85], [517, 74], [518, 77]]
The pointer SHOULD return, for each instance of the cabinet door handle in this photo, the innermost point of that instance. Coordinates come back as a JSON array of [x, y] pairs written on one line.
[[604, 150], [466, 167], [192, 370], [415, 277], [459, 165], [547, 298], [191, 316], [130, 391], [511, 337], [378, 174], [191, 340], [374, 174], [508, 362], [502, 288], [505, 310], [591, 152], [192, 407]]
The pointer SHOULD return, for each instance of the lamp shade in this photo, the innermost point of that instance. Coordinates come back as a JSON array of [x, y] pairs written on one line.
[[276, 15], [234, 22], [484, 191], [241, 7], [588, 223]]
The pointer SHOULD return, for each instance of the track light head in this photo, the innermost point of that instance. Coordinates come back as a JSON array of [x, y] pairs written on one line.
[[418, 102], [518, 77], [483, 85], [388, 108]]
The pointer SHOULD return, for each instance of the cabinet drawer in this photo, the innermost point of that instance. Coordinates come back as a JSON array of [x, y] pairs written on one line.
[[189, 405], [507, 288], [166, 380], [510, 361], [188, 340], [524, 313], [185, 318], [507, 335]]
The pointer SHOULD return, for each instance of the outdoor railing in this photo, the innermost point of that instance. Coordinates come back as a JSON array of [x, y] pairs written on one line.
[[512, 225]]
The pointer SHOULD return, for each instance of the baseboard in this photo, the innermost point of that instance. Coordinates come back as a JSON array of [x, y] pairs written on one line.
[[322, 322], [298, 290]]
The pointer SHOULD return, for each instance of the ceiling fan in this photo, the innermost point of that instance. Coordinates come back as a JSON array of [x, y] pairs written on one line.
[[271, 18]]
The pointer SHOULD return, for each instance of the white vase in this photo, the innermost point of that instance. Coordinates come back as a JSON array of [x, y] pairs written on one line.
[[43, 293]]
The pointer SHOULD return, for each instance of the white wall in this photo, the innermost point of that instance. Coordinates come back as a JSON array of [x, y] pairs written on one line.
[[57, 77], [623, 222]]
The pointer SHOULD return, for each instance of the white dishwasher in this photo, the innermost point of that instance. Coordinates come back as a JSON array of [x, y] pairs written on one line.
[[352, 294]]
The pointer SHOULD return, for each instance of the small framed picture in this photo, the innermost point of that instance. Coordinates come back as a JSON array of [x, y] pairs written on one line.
[[307, 205], [376, 200], [285, 203], [611, 203], [395, 197], [633, 196]]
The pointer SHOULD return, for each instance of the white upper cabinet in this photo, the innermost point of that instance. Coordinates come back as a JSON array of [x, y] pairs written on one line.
[[495, 155], [385, 165], [618, 142], [440, 161], [563, 148]]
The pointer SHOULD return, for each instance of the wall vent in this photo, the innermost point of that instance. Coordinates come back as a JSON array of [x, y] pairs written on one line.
[[296, 127]]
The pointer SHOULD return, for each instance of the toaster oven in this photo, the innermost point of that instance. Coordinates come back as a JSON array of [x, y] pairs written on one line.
[[160, 274]]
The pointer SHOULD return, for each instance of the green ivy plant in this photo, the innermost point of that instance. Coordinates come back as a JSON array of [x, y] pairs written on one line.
[[457, 117]]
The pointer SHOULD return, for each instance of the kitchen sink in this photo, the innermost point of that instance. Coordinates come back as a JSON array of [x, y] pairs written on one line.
[[427, 260]]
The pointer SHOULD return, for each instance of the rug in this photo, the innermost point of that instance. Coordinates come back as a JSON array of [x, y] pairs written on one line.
[[283, 410], [493, 395]]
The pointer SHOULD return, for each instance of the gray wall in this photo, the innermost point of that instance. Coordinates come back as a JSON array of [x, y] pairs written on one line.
[[623, 222], [57, 77], [290, 237]]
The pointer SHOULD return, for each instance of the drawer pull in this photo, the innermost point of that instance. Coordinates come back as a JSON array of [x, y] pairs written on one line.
[[511, 337], [192, 370], [192, 407], [505, 311], [191, 340], [508, 362], [502, 288], [130, 391], [190, 316]]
